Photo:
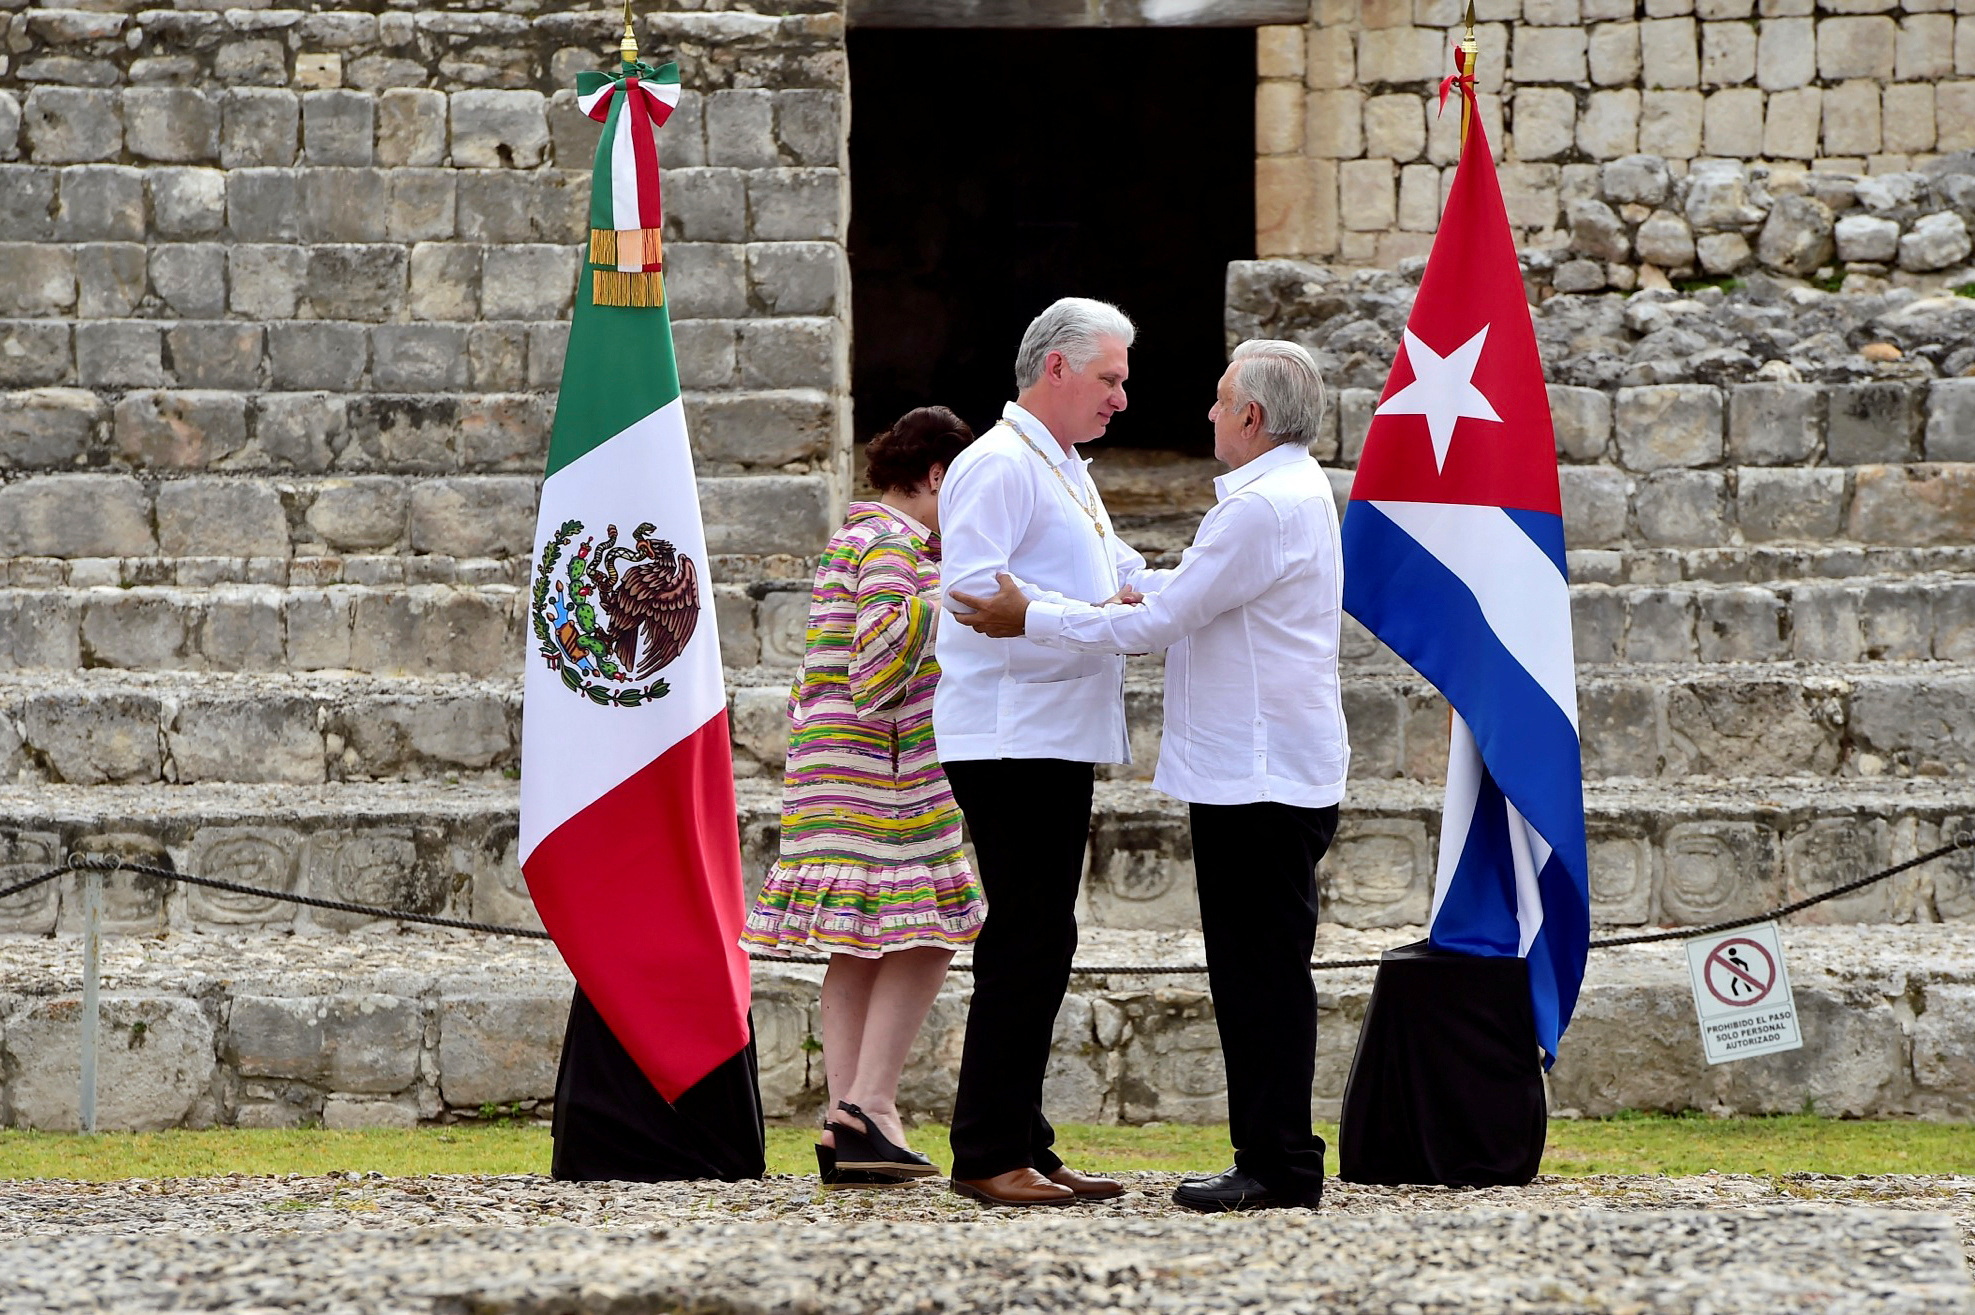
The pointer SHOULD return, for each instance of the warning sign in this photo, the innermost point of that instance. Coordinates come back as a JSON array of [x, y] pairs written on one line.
[[1742, 994]]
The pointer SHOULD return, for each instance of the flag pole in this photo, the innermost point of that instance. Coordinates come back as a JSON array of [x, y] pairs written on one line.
[[1468, 51], [627, 48]]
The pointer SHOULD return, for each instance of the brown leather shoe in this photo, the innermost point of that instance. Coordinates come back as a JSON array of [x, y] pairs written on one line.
[[1087, 1187], [1016, 1187]]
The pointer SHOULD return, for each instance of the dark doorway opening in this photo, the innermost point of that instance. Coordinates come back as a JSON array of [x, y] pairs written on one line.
[[994, 171]]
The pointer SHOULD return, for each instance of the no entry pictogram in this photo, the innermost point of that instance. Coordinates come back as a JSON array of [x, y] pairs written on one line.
[[1742, 994], [1740, 972]]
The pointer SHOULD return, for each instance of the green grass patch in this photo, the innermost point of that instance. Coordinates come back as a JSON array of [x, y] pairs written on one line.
[[1629, 1144], [1795, 1143], [400, 1152]]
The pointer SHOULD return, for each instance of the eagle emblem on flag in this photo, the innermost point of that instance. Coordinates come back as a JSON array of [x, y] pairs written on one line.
[[610, 616]]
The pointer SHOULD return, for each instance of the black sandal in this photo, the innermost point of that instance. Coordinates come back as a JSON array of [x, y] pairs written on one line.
[[835, 1179], [871, 1151]]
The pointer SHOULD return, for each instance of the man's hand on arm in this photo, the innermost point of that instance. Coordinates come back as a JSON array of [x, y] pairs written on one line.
[[1233, 560], [1003, 616]]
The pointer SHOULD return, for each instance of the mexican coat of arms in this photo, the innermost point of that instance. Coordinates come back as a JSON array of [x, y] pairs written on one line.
[[610, 616]]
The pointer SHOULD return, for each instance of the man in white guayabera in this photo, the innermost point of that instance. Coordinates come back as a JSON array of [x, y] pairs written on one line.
[[1021, 728], [1254, 742]]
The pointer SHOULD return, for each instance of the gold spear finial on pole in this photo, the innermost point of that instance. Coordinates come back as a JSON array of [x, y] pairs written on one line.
[[627, 49], [1468, 50]]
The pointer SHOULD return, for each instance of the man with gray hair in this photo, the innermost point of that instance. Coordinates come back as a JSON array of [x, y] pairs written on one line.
[[1254, 741], [1020, 729]]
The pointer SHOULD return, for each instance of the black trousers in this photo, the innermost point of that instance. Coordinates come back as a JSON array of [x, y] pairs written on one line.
[[1030, 821], [1255, 866]]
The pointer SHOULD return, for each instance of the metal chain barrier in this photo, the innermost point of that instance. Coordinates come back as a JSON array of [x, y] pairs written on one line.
[[107, 864]]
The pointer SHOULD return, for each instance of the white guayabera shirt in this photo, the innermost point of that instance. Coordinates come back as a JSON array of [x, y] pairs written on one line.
[[1002, 508], [1249, 621]]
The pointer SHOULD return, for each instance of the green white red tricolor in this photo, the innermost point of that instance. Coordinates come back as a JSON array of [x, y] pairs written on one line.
[[628, 838]]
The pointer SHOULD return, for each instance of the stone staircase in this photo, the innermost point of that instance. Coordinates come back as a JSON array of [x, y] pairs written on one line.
[[312, 684], [1760, 722]]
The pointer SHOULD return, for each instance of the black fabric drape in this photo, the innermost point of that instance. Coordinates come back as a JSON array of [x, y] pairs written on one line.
[[1447, 1084], [611, 1123]]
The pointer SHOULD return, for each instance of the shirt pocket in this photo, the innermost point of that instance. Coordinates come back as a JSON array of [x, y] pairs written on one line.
[[1032, 664], [1055, 705]]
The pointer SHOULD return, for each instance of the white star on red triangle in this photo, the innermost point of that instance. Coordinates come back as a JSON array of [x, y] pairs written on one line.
[[1442, 390]]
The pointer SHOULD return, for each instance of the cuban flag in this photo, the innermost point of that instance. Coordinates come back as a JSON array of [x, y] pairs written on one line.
[[1454, 557]]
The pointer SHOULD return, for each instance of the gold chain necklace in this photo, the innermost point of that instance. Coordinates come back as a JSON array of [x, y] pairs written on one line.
[[1095, 522]]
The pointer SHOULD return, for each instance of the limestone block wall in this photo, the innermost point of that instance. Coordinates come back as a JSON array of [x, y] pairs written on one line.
[[1633, 223], [284, 292], [1353, 163]]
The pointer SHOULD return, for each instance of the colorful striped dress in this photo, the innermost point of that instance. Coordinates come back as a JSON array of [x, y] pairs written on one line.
[[871, 859]]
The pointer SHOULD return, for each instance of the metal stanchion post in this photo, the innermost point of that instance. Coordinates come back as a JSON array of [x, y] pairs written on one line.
[[92, 947]]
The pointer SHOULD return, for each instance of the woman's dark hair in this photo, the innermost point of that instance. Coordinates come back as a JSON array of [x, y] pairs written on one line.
[[901, 458]]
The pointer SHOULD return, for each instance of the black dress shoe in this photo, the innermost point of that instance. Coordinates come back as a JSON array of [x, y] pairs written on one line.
[[868, 1149], [1235, 1190]]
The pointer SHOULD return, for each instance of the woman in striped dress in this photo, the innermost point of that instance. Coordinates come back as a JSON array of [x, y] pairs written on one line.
[[871, 870]]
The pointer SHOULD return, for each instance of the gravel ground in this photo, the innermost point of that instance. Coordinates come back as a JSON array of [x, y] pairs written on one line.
[[528, 1246]]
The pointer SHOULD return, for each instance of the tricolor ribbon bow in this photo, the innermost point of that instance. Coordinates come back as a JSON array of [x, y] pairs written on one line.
[[625, 215]]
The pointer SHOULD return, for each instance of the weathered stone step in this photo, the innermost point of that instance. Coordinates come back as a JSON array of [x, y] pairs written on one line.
[[1922, 616], [416, 629], [1680, 856], [396, 491], [758, 574], [1851, 619], [76, 560], [113, 727], [1900, 718], [261, 515], [1912, 504], [289, 398], [269, 518], [1727, 719], [428, 847], [1834, 605], [307, 396], [432, 615], [472, 629], [303, 571], [1763, 563], [426, 507], [386, 1027]]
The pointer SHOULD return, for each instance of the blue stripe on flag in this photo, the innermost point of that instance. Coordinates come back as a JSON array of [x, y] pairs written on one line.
[[1421, 611], [1404, 594], [1478, 916], [1556, 956], [1478, 913], [1545, 531]]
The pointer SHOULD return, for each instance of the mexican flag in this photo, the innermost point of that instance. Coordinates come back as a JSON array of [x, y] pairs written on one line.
[[628, 838]]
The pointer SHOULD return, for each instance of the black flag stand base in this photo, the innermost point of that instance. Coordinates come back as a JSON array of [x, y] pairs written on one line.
[[1447, 1084], [612, 1125]]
